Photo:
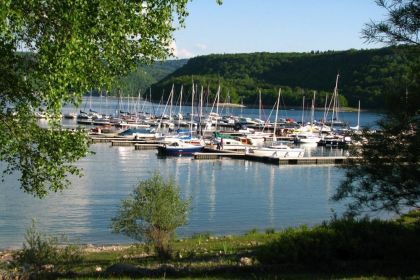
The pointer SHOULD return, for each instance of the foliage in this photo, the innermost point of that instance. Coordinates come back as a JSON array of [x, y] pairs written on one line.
[[253, 231], [401, 26], [207, 256], [364, 75], [344, 240], [387, 177], [74, 46], [221, 256], [412, 217], [40, 250], [152, 213]]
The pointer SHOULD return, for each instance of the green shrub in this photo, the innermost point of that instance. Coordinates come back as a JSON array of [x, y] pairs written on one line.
[[344, 240], [40, 250], [270, 231], [152, 213], [412, 217], [253, 231]]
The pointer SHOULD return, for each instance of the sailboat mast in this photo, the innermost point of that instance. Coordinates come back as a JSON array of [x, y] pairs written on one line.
[[275, 120], [119, 102], [100, 103], [259, 106], [138, 103], [106, 103], [313, 109], [128, 104], [192, 109], [217, 100], [180, 100], [303, 108], [324, 119], [217, 105], [335, 97], [90, 101], [201, 110], [172, 100]]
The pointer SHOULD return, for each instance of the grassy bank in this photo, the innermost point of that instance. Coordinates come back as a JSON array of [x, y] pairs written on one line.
[[343, 248]]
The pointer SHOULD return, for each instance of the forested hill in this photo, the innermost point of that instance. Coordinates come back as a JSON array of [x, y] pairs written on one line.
[[146, 75], [364, 74]]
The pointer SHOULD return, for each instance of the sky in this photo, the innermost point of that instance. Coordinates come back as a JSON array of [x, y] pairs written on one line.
[[244, 26]]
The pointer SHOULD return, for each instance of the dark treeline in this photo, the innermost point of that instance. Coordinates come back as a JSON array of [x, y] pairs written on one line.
[[368, 75]]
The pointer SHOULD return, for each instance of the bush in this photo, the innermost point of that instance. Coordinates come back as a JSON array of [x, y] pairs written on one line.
[[251, 232], [270, 231], [344, 240], [152, 213], [40, 250]]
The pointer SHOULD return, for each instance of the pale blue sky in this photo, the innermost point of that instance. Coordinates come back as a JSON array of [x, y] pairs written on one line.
[[240, 26]]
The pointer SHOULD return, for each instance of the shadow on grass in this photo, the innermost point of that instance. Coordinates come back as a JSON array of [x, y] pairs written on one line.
[[340, 248], [285, 271]]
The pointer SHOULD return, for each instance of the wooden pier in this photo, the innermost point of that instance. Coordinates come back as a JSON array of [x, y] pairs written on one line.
[[95, 140], [121, 142], [146, 146], [211, 153], [216, 154]]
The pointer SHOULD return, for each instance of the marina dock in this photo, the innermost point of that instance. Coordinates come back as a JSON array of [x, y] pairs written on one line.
[[215, 154], [210, 153]]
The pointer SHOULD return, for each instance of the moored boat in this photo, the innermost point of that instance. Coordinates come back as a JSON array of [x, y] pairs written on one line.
[[179, 148], [278, 151]]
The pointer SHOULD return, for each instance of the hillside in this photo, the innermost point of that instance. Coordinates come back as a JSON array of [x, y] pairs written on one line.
[[146, 75], [364, 74]]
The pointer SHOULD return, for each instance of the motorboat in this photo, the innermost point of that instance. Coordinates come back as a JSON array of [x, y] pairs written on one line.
[[179, 148]]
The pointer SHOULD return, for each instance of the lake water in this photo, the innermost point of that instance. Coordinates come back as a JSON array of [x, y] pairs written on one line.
[[228, 196]]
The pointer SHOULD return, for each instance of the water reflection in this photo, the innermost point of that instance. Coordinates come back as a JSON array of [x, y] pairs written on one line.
[[212, 195], [271, 197], [228, 196]]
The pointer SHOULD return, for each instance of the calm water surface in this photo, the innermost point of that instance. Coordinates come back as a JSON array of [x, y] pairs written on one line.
[[228, 196]]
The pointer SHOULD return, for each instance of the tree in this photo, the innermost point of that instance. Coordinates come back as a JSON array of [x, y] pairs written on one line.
[[152, 213], [387, 177], [74, 46], [400, 27]]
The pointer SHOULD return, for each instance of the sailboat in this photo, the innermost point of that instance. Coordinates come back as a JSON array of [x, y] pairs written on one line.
[[308, 134], [335, 124], [357, 127], [181, 146], [277, 150]]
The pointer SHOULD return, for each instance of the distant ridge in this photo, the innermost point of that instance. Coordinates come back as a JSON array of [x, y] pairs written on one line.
[[146, 75], [364, 74]]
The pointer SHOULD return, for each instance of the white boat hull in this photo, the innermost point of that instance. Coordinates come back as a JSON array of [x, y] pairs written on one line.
[[278, 153]]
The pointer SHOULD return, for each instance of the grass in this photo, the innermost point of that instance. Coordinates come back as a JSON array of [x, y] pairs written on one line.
[[296, 253]]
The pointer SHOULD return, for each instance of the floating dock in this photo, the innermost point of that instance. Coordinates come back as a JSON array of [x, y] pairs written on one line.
[[120, 141], [211, 153], [125, 143], [218, 154], [146, 146]]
